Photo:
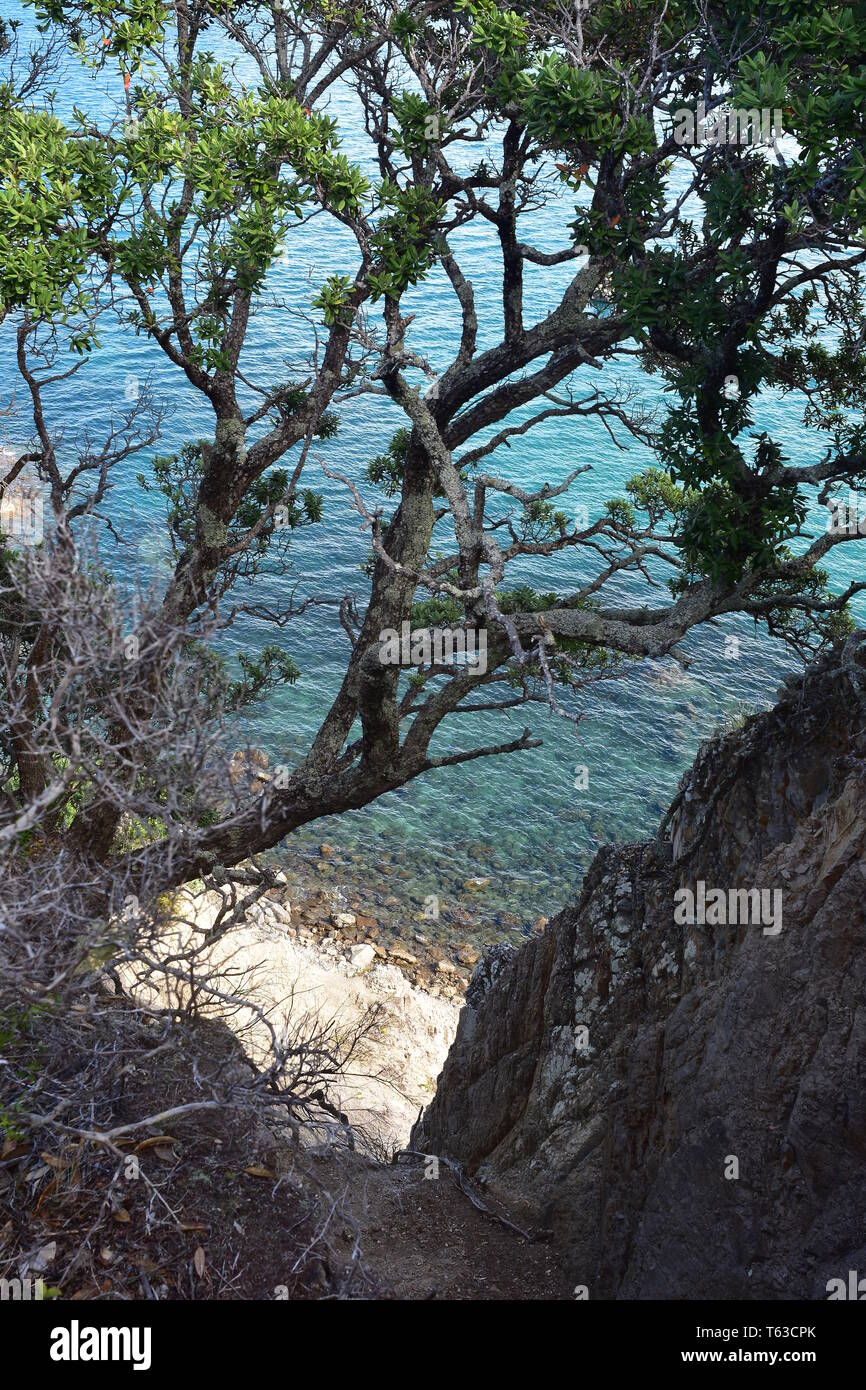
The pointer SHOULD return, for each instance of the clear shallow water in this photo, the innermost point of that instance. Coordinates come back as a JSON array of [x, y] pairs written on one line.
[[517, 822]]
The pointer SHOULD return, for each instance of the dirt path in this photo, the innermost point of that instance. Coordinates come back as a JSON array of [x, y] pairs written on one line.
[[422, 1238]]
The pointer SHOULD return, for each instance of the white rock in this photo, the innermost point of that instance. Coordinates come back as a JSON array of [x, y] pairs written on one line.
[[361, 957], [326, 984]]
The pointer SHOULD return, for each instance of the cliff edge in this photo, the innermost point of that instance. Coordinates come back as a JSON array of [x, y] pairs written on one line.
[[672, 1079]]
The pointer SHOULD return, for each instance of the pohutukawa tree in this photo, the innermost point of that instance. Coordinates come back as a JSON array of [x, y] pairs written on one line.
[[728, 269]]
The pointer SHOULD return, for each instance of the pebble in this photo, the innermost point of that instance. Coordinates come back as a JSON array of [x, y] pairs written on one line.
[[399, 953], [467, 954]]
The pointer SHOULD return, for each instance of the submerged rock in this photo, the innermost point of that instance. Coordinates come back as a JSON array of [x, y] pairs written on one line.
[[476, 885]]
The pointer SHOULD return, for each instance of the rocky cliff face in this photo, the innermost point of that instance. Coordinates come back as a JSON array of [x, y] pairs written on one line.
[[683, 1102]]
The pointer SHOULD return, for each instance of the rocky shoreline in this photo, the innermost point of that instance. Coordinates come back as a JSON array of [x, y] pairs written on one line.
[[337, 919], [337, 924]]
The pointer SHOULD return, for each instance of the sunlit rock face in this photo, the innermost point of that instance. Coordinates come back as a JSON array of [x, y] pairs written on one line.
[[672, 1079]]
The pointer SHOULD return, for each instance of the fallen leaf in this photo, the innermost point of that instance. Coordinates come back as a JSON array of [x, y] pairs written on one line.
[[199, 1261], [45, 1193], [154, 1141], [192, 1226], [167, 1155], [255, 1170], [121, 1215], [43, 1258], [14, 1148]]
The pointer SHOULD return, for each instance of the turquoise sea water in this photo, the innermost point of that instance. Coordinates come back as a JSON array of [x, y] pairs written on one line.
[[517, 822]]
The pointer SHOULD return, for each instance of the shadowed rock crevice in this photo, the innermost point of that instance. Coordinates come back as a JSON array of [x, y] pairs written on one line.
[[610, 1074]]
